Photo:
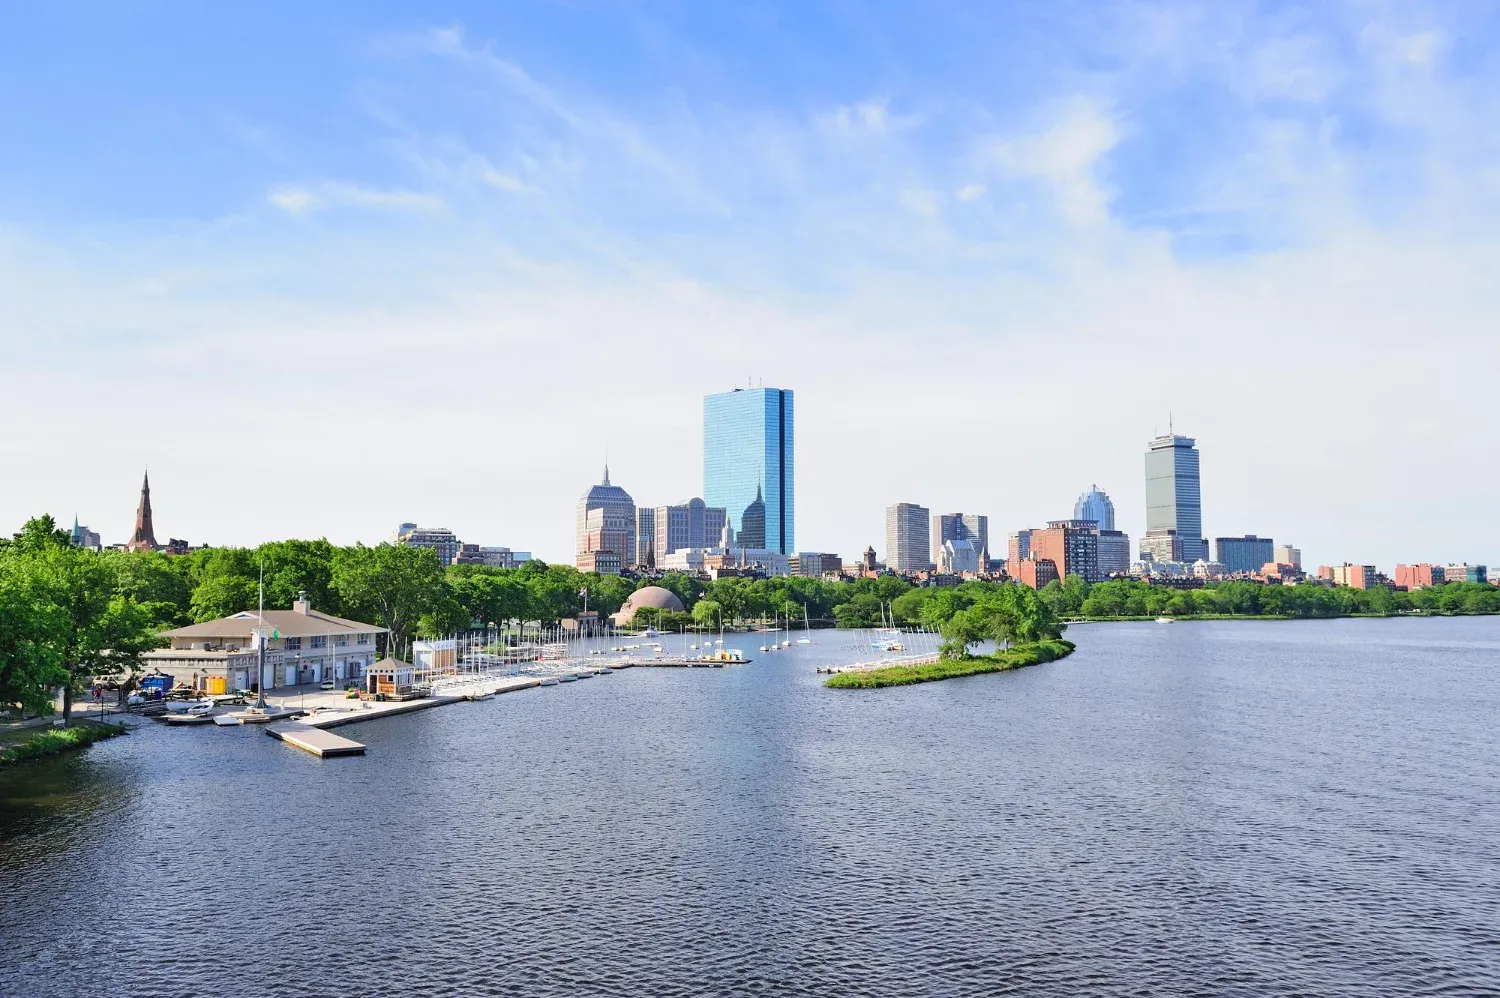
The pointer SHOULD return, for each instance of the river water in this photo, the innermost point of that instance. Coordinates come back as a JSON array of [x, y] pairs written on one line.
[[1229, 808]]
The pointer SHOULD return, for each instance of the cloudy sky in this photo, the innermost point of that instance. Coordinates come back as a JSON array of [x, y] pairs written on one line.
[[328, 267]]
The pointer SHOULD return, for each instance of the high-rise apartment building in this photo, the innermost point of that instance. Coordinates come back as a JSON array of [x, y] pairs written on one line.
[[1018, 549], [749, 462], [440, 539], [1095, 505], [1419, 576], [971, 527], [692, 524], [1244, 554], [1071, 545], [906, 538], [1173, 498], [617, 501], [1353, 576], [1465, 572], [1285, 554]]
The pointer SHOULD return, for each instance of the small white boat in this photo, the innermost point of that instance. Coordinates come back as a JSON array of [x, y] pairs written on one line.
[[606, 671], [1163, 620], [201, 709], [549, 681], [566, 679]]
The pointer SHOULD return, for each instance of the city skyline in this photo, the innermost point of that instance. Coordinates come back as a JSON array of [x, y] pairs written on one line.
[[602, 233]]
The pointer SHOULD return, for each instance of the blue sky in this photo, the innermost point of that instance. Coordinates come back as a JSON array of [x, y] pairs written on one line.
[[991, 246]]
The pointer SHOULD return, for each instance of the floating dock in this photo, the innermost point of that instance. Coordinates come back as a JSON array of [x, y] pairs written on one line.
[[315, 740]]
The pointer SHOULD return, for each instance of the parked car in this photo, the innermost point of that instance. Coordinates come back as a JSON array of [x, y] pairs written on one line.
[[328, 684]]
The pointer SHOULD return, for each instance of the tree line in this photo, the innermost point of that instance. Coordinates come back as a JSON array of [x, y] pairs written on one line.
[[68, 614]]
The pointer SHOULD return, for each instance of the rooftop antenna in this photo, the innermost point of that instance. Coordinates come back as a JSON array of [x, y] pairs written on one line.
[[1170, 431]]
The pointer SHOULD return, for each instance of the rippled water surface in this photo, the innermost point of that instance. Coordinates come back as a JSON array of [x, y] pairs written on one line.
[[1201, 808]]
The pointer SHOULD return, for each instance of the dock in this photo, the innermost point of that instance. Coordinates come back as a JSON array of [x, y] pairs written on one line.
[[320, 743]]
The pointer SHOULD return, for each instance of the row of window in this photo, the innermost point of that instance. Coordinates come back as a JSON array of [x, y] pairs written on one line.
[[321, 641]]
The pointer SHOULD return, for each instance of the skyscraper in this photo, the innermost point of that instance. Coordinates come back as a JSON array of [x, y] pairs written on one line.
[[748, 458], [1173, 500], [906, 538], [621, 536], [1243, 554], [1095, 505]]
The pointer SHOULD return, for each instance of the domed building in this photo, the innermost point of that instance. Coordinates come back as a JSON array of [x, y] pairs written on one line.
[[652, 597]]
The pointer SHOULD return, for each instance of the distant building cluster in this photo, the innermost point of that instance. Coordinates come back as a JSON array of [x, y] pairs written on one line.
[[744, 522], [451, 551]]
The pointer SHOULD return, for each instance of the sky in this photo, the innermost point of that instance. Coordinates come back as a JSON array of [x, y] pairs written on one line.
[[325, 268]]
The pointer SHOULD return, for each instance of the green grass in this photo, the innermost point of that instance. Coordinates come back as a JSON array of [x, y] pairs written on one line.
[[51, 741], [904, 675]]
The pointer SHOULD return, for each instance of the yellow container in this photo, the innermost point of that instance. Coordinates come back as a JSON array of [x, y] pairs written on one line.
[[213, 685]]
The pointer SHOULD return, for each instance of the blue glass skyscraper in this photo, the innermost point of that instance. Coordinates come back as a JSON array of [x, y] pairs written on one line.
[[748, 457]]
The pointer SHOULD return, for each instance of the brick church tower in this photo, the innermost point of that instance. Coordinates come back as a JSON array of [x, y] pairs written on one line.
[[144, 538]]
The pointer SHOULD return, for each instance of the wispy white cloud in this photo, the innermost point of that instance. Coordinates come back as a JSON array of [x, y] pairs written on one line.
[[1065, 156], [508, 182], [301, 200], [970, 192]]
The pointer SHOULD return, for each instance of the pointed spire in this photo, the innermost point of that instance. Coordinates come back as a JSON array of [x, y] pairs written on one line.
[[606, 472]]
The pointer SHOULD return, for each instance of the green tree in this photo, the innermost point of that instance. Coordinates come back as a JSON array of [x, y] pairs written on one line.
[[707, 613], [90, 629], [223, 596], [394, 583]]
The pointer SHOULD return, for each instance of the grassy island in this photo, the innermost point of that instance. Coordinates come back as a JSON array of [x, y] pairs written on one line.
[[951, 668], [35, 743]]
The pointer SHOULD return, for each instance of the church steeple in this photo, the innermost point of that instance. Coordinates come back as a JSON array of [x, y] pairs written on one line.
[[144, 538]]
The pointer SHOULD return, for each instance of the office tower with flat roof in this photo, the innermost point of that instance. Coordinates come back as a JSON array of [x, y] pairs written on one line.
[[749, 462], [1114, 553], [1244, 554], [692, 525], [972, 527], [906, 538], [1095, 505], [1285, 554], [1173, 499]]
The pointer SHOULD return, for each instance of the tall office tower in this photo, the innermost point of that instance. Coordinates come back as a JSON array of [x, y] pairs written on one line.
[[1243, 554], [748, 457], [1114, 553], [618, 502], [971, 527], [1285, 554], [645, 537], [1173, 500], [691, 524], [1095, 505], [906, 538]]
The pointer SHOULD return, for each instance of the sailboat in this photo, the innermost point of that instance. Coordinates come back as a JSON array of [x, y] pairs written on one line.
[[806, 627]]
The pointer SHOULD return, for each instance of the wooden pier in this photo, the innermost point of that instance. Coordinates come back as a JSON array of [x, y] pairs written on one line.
[[315, 740]]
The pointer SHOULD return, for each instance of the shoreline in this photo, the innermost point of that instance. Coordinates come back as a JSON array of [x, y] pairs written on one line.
[[1018, 657], [45, 742]]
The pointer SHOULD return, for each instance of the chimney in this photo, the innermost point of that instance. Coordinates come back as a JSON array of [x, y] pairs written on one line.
[[302, 606]]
